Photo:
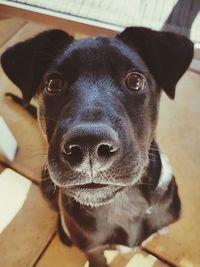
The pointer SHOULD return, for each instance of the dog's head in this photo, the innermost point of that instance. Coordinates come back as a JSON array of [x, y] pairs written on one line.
[[98, 102]]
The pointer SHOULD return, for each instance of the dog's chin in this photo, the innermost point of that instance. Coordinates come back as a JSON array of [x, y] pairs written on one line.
[[93, 197]]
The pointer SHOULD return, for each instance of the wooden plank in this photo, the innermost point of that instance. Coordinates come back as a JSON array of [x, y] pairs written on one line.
[[33, 224], [59, 255], [32, 147], [179, 125], [8, 27], [30, 156], [195, 66], [179, 134]]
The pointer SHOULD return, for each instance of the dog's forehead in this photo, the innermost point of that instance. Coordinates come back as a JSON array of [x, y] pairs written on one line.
[[101, 50], [99, 44]]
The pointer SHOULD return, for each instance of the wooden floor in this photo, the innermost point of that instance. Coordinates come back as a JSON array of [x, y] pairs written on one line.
[[28, 231]]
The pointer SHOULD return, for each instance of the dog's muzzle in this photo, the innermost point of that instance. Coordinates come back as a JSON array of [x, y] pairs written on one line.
[[90, 148]]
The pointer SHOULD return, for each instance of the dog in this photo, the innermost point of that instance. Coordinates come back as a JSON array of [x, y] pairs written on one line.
[[98, 101]]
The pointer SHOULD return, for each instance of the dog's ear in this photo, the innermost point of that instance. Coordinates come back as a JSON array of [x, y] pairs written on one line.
[[166, 54], [25, 63]]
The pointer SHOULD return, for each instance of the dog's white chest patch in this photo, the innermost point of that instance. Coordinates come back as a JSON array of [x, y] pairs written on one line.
[[64, 226], [166, 173], [149, 210]]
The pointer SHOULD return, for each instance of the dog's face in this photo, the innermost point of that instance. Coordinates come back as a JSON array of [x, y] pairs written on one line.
[[98, 107], [98, 103]]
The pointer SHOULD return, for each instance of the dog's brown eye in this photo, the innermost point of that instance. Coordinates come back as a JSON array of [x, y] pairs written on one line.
[[55, 85], [135, 81]]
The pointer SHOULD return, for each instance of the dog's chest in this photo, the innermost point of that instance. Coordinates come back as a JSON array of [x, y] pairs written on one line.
[[120, 222], [123, 219]]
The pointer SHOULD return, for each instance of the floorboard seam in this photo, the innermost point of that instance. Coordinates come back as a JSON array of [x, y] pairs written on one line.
[[12, 35], [6, 165], [43, 250], [194, 71], [162, 259]]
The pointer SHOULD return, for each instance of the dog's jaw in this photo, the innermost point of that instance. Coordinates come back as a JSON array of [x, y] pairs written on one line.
[[94, 198]]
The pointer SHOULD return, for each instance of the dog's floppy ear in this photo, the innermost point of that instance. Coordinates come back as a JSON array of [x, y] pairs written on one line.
[[26, 62], [166, 54]]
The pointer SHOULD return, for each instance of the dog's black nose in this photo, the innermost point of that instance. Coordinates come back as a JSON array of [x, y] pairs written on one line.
[[90, 146]]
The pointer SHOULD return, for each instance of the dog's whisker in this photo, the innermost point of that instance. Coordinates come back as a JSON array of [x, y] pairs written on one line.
[[47, 118], [50, 189], [154, 155], [144, 183], [154, 149], [47, 179]]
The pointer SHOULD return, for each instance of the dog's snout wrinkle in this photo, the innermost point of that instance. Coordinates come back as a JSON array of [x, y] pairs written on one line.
[[90, 147]]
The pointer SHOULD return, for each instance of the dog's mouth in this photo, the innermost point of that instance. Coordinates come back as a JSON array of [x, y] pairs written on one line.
[[93, 194], [92, 188], [88, 186], [99, 192]]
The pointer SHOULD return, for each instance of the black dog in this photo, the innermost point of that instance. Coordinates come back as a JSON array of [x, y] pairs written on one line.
[[98, 108]]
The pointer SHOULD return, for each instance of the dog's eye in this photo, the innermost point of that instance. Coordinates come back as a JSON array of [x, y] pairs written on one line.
[[54, 85], [135, 81]]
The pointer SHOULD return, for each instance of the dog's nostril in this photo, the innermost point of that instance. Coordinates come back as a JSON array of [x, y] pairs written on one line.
[[105, 151], [70, 149], [72, 153]]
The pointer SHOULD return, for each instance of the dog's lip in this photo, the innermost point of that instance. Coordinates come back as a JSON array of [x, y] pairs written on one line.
[[89, 186]]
